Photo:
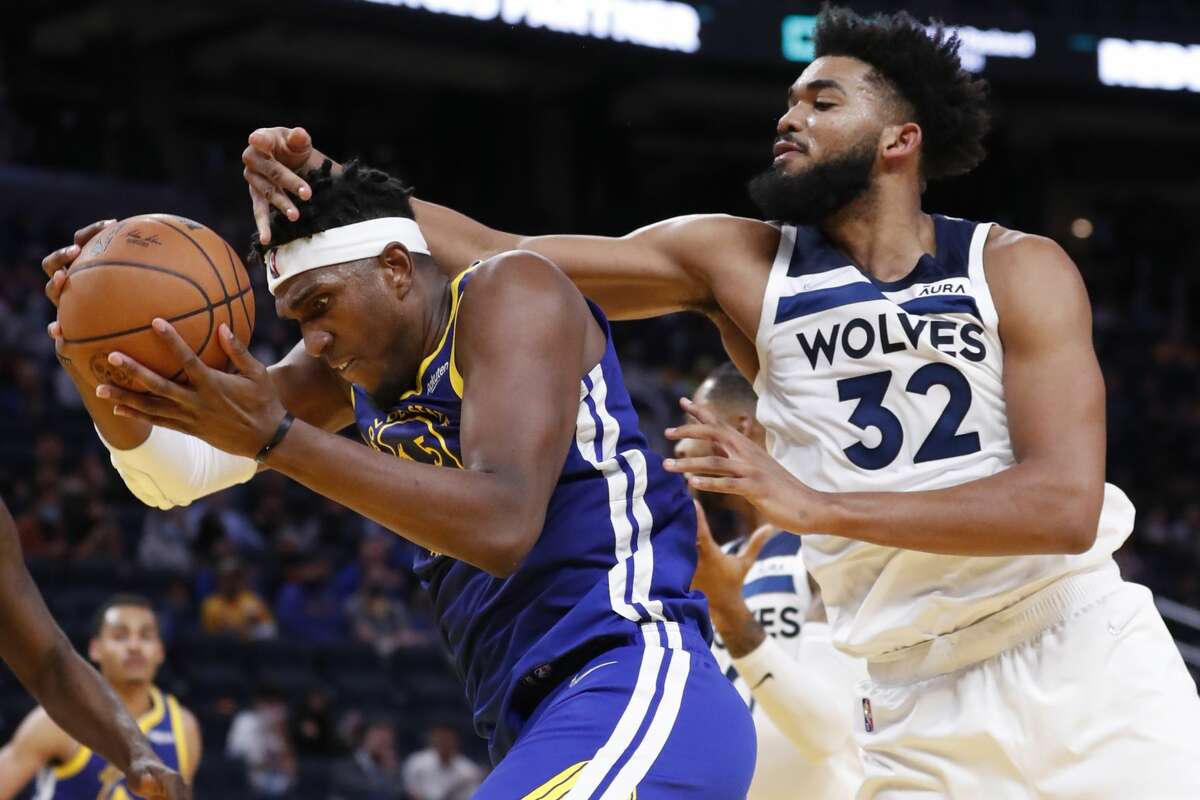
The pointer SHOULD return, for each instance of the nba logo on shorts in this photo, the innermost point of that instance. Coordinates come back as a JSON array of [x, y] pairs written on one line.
[[271, 268], [868, 720]]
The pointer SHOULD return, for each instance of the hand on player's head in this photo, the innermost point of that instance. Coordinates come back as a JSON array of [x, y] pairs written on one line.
[[274, 157]]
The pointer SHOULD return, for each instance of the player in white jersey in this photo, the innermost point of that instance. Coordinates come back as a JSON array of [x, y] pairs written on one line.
[[771, 635], [950, 452]]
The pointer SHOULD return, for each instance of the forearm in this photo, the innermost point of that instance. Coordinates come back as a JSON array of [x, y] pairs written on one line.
[[803, 697], [120, 432], [736, 625], [1023, 510], [470, 515], [82, 703], [456, 240]]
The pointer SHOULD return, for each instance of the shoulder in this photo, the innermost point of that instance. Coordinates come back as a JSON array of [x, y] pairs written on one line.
[[1014, 256], [1032, 280], [40, 734], [519, 284]]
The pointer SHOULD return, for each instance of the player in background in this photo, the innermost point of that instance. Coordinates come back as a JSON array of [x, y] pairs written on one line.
[[498, 437], [126, 647], [770, 632], [935, 419], [73, 696]]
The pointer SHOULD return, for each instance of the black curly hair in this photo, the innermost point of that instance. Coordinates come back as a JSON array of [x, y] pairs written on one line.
[[357, 193], [922, 69]]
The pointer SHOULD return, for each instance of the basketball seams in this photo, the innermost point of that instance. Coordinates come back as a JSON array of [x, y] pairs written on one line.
[[140, 265], [227, 300], [234, 265], [208, 307]]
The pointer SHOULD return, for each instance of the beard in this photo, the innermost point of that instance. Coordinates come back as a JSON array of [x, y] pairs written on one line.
[[811, 196]]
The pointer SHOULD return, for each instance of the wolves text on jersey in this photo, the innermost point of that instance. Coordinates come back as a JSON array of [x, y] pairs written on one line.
[[892, 333]]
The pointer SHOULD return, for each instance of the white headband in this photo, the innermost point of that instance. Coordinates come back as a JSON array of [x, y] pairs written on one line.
[[338, 245]]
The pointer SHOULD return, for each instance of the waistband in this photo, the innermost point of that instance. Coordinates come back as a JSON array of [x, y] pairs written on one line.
[[1020, 622]]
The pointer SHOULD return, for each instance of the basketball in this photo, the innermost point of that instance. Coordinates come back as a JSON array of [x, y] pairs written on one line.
[[153, 265]]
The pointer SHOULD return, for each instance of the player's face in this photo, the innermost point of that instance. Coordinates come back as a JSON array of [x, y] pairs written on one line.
[[352, 318], [826, 143], [128, 648], [832, 108]]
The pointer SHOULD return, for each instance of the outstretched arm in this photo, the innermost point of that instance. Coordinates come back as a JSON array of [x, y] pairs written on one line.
[[70, 691], [676, 265], [1048, 502]]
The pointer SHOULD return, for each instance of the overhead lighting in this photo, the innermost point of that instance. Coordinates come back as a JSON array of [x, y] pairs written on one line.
[[660, 24], [1149, 65], [1082, 228]]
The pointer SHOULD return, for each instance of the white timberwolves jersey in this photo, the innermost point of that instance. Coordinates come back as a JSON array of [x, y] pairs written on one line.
[[776, 591], [865, 385]]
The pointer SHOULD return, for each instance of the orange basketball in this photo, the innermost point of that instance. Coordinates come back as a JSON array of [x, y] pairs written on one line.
[[153, 265]]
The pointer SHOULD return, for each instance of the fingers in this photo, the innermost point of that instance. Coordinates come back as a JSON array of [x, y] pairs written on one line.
[[54, 329], [298, 141], [245, 363], [60, 259], [267, 165], [704, 537], [269, 190], [196, 370], [125, 400], [757, 540], [85, 234], [704, 465], [702, 414], [153, 382], [55, 286], [723, 485]]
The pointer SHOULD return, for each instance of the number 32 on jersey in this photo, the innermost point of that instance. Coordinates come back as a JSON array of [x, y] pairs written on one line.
[[943, 441]]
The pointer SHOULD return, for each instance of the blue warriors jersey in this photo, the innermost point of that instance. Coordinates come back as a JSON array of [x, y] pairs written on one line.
[[617, 550], [87, 776]]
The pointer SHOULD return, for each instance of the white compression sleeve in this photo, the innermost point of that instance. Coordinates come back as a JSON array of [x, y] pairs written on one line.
[[172, 469], [803, 695]]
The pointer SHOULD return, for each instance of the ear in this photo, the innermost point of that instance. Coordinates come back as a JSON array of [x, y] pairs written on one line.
[[94, 651], [901, 141], [399, 263], [744, 423]]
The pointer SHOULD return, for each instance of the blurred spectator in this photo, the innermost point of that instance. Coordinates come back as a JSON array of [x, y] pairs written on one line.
[[176, 615], [258, 737], [441, 771], [308, 607], [374, 771], [166, 543], [312, 727], [382, 621], [234, 609]]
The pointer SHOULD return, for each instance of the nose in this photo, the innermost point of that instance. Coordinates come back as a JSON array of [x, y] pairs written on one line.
[[792, 120], [316, 342]]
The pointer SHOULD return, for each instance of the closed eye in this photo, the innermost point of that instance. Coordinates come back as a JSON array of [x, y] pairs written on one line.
[[823, 105]]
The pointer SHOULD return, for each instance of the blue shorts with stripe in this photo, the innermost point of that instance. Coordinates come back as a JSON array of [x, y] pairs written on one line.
[[655, 720]]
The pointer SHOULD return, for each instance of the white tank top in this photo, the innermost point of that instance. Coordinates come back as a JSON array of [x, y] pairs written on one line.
[[865, 385]]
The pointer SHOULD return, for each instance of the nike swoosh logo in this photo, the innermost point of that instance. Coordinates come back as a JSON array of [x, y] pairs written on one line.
[[583, 675], [765, 678]]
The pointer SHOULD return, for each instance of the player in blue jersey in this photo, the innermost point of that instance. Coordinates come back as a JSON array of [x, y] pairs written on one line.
[[126, 647], [557, 551]]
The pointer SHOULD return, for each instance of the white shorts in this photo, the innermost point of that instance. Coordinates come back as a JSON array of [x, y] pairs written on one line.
[[1075, 693]]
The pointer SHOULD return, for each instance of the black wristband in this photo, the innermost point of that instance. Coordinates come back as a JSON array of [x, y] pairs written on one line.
[[285, 425]]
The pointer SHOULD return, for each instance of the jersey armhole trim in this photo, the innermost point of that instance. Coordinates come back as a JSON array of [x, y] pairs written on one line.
[[770, 302], [181, 742], [975, 271]]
